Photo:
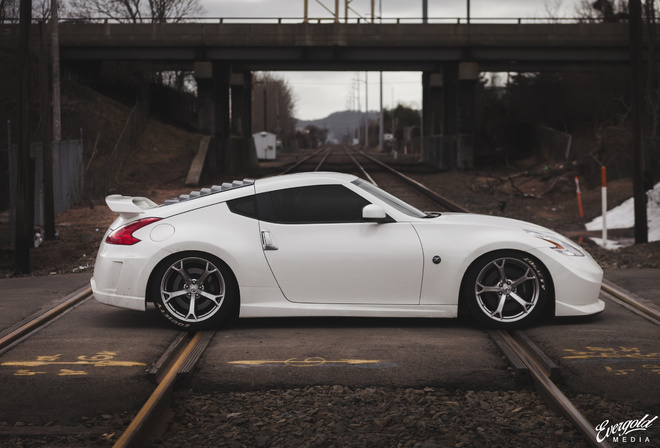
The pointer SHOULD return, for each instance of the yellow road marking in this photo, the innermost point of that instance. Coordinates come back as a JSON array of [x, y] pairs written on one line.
[[101, 359], [608, 352], [307, 362], [74, 363]]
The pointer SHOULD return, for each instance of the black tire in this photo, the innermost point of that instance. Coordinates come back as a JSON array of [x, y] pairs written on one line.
[[506, 289], [193, 290]]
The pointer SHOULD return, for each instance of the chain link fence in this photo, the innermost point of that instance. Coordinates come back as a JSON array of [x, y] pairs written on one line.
[[68, 181]]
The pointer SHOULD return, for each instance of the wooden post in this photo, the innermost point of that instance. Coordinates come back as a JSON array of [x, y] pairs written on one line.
[[639, 193]]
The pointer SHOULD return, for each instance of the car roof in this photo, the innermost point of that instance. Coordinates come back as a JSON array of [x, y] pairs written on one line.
[[301, 179], [265, 185]]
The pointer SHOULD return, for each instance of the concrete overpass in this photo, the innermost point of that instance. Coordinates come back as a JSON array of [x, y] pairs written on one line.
[[450, 56], [337, 46]]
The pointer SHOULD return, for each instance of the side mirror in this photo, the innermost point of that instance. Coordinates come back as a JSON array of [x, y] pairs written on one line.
[[373, 213]]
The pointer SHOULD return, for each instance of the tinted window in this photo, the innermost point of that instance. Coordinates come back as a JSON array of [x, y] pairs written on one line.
[[315, 204], [390, 200], [246, 206]]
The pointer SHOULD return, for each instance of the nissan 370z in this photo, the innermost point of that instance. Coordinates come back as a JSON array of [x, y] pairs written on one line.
[[330, 244]]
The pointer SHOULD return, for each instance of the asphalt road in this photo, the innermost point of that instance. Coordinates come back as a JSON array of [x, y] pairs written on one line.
[[273, 353], [93, 360], [90, 361]]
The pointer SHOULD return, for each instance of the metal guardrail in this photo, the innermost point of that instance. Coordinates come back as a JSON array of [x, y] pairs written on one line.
[[323, 20]]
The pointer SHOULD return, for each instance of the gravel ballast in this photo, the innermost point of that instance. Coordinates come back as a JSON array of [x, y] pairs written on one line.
[[338, 416]]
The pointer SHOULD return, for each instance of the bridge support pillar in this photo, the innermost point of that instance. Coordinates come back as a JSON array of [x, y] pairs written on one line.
[[468, 77], [432, 103], [449, 105], [450, 99], [244, 152], [213, 79]]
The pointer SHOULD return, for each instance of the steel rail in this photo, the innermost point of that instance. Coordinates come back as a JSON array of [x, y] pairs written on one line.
[[519, 349], [627, 298], [154, 410], [359, 165], [323, 159], [40, 319], [451, 206], [552, 394], [522, 353], [303, 160]]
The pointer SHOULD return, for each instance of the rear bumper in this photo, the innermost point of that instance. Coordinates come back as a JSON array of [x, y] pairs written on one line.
[[121, 274], [109, 297]]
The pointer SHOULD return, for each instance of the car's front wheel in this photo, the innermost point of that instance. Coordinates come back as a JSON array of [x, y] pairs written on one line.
[[506, 289], [193, 291]]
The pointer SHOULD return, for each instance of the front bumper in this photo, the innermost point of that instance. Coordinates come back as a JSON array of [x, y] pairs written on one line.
[[576, 282]]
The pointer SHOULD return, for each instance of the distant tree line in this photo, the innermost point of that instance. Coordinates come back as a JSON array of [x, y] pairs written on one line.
[[594, 107], [158, 11]]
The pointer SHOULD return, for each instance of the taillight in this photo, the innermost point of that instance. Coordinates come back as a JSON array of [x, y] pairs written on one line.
[[124, 235]]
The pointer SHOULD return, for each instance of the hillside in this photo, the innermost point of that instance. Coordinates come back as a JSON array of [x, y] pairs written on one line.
[[338, 124], [157, 164]]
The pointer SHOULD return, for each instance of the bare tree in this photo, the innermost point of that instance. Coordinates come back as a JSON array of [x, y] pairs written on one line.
[[603, 10], [553, 9], [174, 10], [8, 9], [158, 11], [272, 101]]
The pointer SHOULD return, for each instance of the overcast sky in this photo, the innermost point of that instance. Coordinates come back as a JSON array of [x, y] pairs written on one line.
[[318, 94]]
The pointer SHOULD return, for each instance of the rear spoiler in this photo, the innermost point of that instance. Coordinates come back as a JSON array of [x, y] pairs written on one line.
[[129, 206]]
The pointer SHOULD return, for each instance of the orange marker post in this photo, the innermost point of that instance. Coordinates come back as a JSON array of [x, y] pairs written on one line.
[[579, 196]]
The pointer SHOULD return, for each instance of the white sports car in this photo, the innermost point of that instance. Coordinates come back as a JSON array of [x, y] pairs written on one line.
[[329, 244]]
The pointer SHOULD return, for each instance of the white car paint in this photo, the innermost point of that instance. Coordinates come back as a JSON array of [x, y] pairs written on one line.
[[330, 269]]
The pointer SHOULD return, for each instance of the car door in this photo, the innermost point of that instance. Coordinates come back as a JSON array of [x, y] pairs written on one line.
[[321, 251]]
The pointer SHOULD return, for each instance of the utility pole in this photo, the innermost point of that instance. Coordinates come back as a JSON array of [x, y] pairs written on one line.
[[57, 121], [366, 108], [381, 123], [47, 135], [639, 193], [23, 224]]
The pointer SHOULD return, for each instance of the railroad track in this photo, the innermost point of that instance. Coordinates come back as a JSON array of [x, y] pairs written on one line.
[[522, 353], [22, 330], [176, 365]]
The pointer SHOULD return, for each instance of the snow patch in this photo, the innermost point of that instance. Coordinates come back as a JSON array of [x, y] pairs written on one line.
[[623, 217]]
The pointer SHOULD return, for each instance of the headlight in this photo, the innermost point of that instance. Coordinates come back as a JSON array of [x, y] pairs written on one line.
[[560, 244]]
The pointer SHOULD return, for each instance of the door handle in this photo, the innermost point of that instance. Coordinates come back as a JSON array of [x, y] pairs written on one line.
[[267, 240]]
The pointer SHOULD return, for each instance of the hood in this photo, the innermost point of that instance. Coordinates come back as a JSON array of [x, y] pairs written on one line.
[[469, 219]]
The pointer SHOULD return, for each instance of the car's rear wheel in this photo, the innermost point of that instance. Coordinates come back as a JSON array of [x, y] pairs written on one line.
[[506, 289], [194, 291]]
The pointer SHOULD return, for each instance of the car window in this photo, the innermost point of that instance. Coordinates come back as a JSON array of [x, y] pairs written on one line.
[[313, 204], [246, 206], [390, 200]]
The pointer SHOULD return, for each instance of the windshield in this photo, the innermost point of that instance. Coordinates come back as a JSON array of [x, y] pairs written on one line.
[[390, 200]]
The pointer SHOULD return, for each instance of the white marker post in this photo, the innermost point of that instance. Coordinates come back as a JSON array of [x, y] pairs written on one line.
[[603, 175]]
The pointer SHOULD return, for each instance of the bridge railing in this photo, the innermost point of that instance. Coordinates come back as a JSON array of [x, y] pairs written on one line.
[[324, 20]]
